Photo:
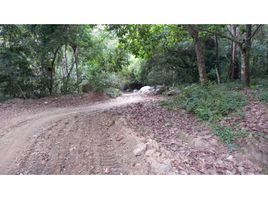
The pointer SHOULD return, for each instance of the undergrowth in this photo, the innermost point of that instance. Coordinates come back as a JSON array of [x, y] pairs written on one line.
[[210, 102], [262, 95], [261, 89], [227, 134]]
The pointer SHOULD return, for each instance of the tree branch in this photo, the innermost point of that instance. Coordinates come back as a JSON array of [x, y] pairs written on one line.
[[256, 31], [221, 35], [230, 32]]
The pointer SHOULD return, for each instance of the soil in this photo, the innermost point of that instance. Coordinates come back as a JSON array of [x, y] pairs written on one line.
[[72, 140], [92, 134]]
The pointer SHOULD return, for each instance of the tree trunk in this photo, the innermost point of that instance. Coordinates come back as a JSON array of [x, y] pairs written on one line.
[[75, 51], [245, 49], [234, 67], [52, 73], [217, 63], [245, 75], [52, 70], [199, 54]]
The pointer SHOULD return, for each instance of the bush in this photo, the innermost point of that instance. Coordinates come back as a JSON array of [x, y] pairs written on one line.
[[209, 102], [162, 77], [176, 64], [101, 81], [227, 134], [260, 85], [112, 92], [233, 85], [262, 95]]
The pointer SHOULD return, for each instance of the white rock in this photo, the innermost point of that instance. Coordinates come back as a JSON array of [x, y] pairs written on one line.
[[198, 142], [140, 149], [241, 169], [150, 152], [220, 162], [159, 89], [230, 158], [228, 172], [146, 90], [161, 168], [173, 92]]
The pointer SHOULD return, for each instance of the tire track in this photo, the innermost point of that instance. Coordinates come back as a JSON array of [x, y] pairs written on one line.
[[67, 145]]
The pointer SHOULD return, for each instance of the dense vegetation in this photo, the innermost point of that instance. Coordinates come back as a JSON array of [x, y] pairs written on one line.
[[209, 102], [41, 60]]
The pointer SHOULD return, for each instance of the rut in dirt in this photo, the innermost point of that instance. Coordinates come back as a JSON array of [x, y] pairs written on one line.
[[77, 140], [77, 145]]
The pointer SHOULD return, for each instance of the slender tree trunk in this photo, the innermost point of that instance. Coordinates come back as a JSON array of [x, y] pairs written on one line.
[[21, 91], [234, 67], [75, 50], [65, 61], [217, 63], [52, 70], [51, 79], [199, 54], [51, 82], [67, 69]]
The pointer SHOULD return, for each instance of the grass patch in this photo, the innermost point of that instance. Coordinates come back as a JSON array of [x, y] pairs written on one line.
[[262, 95], [210, 103], [228, 135], [259, 83], [261, 89]]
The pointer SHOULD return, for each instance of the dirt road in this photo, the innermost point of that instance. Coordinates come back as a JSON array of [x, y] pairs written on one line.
[[76, 140], [126, 135]]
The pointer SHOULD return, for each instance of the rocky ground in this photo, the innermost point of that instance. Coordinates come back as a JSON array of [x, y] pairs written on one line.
[[128, 135]]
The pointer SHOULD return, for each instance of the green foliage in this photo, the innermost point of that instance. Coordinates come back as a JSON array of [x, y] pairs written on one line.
[[38, 60], [172, 66], [31, 57], [263, 95], [142, 40], [112, 92], [233, 85], [134, 71], [261, 88], [227, 134], [101, 81], [209, 102], [260, 83], [109, 83]]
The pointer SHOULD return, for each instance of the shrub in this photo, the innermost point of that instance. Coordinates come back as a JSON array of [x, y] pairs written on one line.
[[101, 81], [233, 85], [173, 65], [262, 95], [209, 102], [160, 77], [227, 134], [112, 92]]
